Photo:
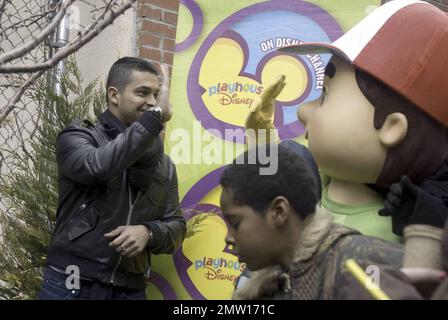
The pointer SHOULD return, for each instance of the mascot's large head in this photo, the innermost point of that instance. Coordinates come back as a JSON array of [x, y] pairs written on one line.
[[384, 110]]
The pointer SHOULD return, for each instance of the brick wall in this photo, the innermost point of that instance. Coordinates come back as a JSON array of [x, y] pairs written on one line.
[[157, 33]]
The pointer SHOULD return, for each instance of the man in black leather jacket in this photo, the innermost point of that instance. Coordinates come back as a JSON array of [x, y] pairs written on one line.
[[118, 195]]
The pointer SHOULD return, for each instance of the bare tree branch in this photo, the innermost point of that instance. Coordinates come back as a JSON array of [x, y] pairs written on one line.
[[6, 110], [99, 8], [83, 38], [20, 51], [28, 21], [100, 17]]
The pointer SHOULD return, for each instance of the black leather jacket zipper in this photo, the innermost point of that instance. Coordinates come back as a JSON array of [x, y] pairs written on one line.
[[128, 222]]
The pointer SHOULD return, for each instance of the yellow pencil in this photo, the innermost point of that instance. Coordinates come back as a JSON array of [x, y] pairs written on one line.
[[365, 281]]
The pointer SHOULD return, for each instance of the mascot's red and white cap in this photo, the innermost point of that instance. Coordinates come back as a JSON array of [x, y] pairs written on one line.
[[404, 44]]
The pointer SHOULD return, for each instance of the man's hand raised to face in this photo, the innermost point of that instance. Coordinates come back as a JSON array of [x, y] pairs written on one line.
[[163, 99]]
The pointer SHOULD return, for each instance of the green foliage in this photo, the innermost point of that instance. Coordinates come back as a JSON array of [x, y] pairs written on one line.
[[30, 189], [196, 221]]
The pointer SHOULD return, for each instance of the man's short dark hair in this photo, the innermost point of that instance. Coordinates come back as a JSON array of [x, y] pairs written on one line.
[[293, 180], [121, 71]]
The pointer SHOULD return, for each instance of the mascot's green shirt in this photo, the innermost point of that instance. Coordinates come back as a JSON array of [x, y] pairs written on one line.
[[364, 218]]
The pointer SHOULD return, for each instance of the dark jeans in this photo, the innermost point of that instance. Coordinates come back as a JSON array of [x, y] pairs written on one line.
[[54, 288]]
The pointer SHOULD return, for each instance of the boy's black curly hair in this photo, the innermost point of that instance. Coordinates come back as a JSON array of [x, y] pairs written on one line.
[[293, 180]]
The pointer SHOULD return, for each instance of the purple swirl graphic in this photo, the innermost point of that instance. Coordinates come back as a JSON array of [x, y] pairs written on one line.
[[198, 23]]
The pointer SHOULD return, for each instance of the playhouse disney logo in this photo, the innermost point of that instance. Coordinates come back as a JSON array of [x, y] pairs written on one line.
[[220, 269], [234, 93]]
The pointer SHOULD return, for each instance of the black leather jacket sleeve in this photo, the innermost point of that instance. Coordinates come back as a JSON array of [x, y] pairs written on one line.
[[170, 229], [140, 172], [82, 161]]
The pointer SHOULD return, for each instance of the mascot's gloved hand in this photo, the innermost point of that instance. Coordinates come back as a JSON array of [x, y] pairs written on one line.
[[400, 203], [411, 204], [261, 115]]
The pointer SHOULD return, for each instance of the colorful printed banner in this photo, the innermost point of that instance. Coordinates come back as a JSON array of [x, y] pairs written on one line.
[[226, 53]]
